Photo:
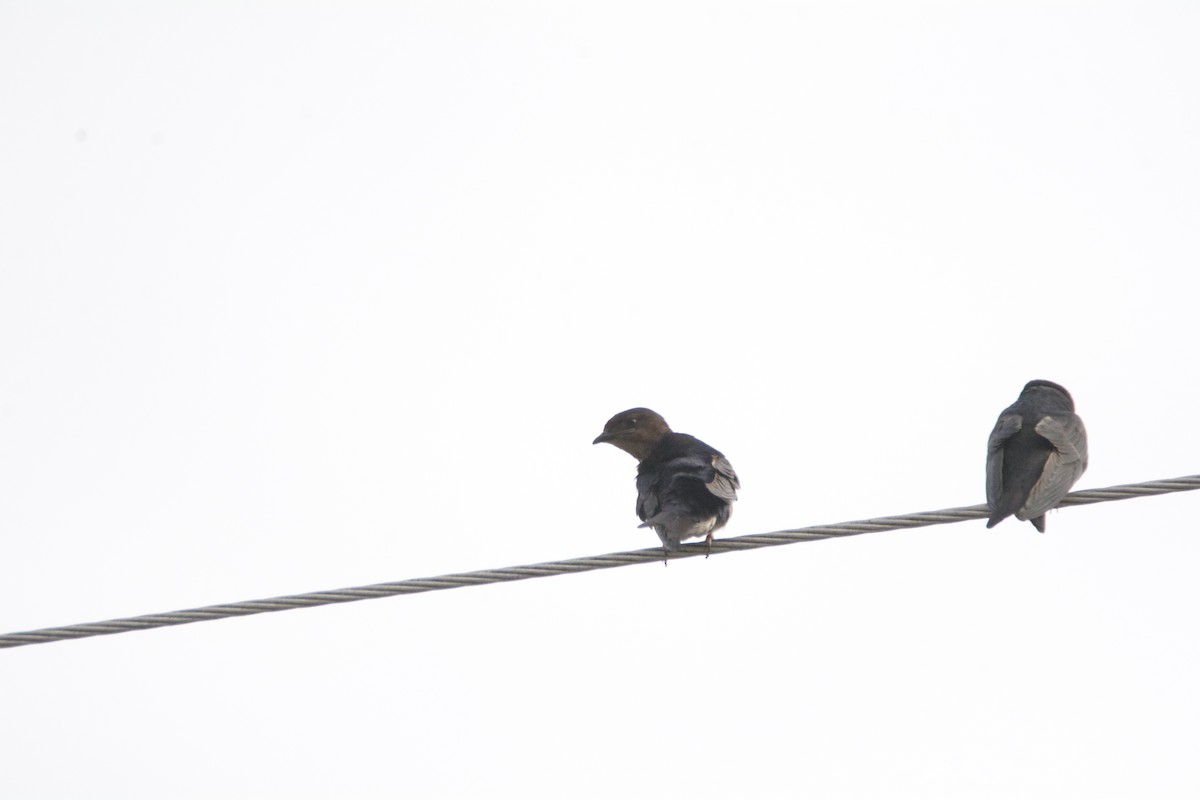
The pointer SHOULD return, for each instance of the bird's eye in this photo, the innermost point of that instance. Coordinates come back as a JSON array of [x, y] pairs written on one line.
[[632, 421]]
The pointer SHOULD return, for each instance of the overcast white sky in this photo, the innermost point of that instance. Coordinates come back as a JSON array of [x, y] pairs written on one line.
[[302, 296]]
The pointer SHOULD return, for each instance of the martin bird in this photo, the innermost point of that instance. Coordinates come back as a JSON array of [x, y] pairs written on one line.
[[685, 487], [1036, 452]]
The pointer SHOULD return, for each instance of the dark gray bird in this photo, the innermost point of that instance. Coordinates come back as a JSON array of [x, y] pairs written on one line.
[[685, 487], [1036, 452]]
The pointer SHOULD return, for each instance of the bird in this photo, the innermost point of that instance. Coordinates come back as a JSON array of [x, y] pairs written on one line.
[[1036, 453], [685, 488]]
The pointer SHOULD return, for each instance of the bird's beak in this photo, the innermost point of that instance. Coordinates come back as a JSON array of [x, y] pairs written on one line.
[[604, 437]]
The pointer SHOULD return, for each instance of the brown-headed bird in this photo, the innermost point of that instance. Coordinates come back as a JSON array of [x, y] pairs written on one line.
[[1036, 452], [685, 487]]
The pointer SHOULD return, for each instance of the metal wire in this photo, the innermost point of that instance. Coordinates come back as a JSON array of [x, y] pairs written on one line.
[[572, 565]]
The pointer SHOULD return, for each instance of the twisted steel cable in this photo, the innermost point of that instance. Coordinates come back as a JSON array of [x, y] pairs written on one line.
[[572, 565]]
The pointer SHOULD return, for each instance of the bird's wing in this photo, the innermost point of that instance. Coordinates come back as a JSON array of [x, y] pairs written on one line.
[[1065, 464], [1006, 428], [647, 498], [724, 483], [711, 469]]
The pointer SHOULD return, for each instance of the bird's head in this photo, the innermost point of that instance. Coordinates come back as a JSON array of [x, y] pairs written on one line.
[[635, 431], [1049, 390]]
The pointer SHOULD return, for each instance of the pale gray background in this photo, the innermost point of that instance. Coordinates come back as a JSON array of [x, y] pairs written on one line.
[[300, 296]]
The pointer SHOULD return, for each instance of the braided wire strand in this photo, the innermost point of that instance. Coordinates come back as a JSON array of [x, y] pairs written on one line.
[[571, 565]]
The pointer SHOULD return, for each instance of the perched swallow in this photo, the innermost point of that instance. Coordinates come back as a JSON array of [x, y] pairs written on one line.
[[685, 488], [1036, 452]]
